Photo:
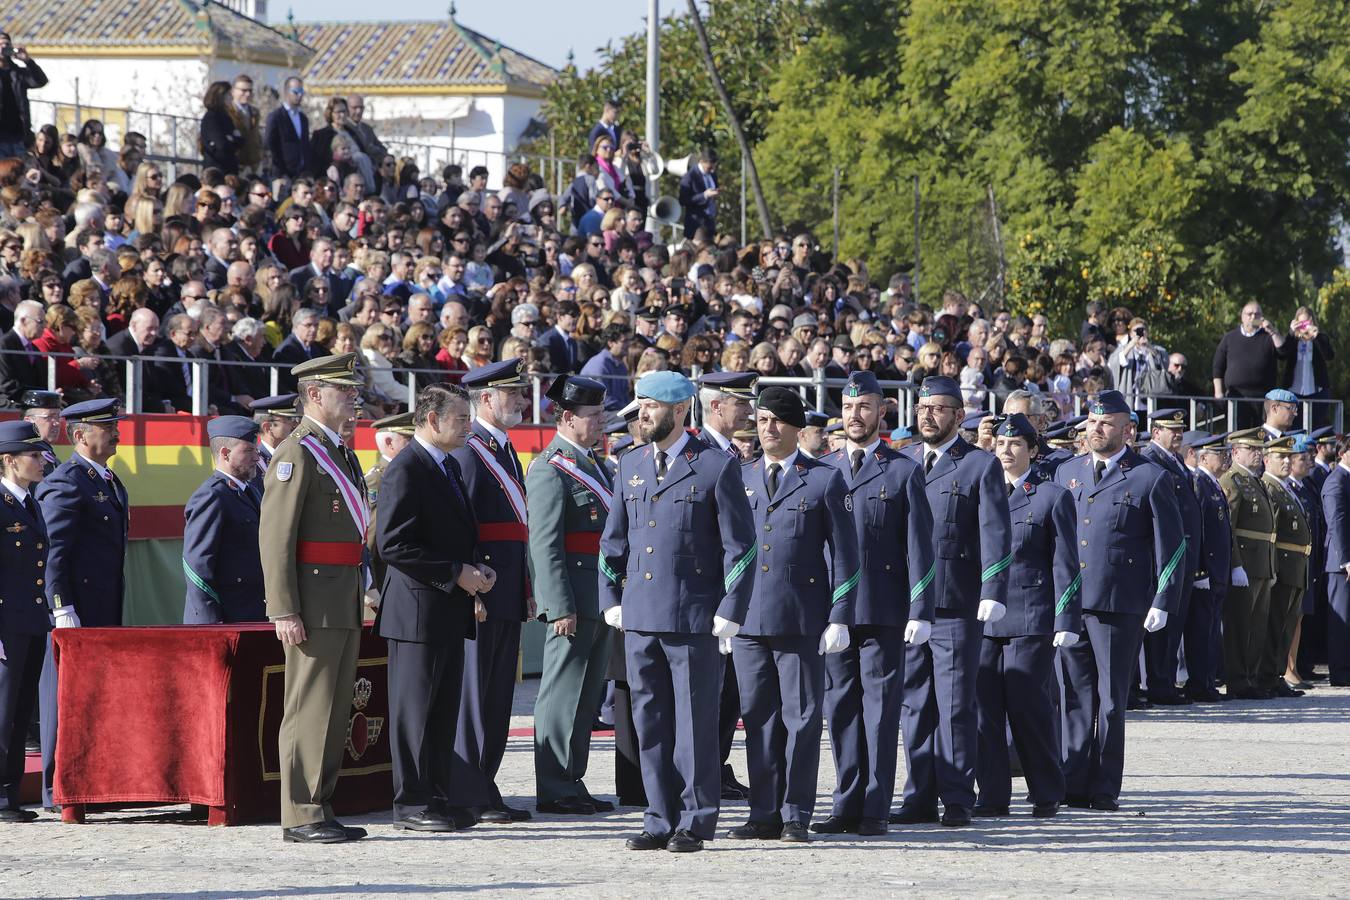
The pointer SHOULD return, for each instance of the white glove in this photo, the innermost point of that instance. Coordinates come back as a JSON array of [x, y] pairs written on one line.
[[725, 628], [2, 651], [834, 640], [1203, 584], [1065, 638], [990, 611], [1156, 620], [724, 646], [66, 617], [917, 632], [1238, 577], [614, 617]]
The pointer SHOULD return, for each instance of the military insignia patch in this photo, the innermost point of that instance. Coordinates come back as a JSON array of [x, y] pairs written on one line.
[[749, 492], [284, 471], [848, 502], [1073, 483], [635, 481], [15, 528]]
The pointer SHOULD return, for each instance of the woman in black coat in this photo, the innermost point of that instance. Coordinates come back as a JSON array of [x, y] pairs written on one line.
[[220, 139]]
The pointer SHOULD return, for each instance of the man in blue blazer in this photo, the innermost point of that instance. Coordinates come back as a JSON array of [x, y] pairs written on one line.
[[1336, 510], [1129, 528], [563, 352], [893, 607], [698, 196], [1207, 458], [427, 537], [1016, 685], [221, 563], [972, 543], [675, 574], [800, 610]]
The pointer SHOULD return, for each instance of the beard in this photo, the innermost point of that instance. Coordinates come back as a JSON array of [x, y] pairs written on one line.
[[660, 428]]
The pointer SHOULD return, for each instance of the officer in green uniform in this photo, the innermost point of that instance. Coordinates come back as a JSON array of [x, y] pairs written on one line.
[[1293, 546], [1247, 609], [568, 494], [392, 434]]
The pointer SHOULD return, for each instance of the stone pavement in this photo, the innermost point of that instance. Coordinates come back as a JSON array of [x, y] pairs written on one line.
[[1239, 799]]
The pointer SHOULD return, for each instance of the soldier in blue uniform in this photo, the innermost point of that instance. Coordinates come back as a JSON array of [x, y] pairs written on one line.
[[725, 400], [893, 606], [496, 490], [800, 610], [1207, 458], [24, 622], [276, 417], [1162, 648], [43, 409], [675, 573], [220, 538], [1129, 527], [1016, 687], [972, 543], [1300, 482], [812, 441], [1336, 510], [85, 508]]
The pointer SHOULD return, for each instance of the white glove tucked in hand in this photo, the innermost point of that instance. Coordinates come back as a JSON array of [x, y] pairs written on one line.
[[1202, 584], [917, 632], [834, 640], [614, 617], [66, 617], [990, 611], [1238, 577], [725, 628], [724, 646], [1065, 638], [1156, 620]]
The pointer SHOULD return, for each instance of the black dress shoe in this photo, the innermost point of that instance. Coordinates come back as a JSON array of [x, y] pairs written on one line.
[[1045, 810], [314, 833], [684, 841], [731, 788], [353, 833], [793, 833], [601, 806], [424, 821], [568, 806], [989, 812], [504, 813], [1168, 700], [646, 841], [1138, 703], [757, 831], [872, 827], [17, 815], [913, 815], [1077, 801], [1282, 689], [955, 816], [1209, 696], [835, 825], [1338, 682], [1105, 803], [462, 816]]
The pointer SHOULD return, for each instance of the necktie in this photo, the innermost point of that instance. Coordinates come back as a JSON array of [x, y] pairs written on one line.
[[454, 480], [772, 481], [660, 466], [1097, 471], [1010, 488], [929, 459], [857, 462], [599, 468], [187, 369], [30, 507], [515, 462]]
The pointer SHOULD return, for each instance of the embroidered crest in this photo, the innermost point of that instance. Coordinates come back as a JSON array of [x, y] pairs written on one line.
[[101, 497], [1026, 486], [15, 528], [635, 481], [284, 471], [92, 473]]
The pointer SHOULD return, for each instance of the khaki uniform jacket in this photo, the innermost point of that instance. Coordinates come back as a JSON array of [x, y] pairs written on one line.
[[373, 478], [1293, 539], [565, 583], [302, 503], [1251, 514]]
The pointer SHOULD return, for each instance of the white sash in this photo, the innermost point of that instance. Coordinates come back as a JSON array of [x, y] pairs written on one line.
[[514, 492], [355, 500], [564, 464]]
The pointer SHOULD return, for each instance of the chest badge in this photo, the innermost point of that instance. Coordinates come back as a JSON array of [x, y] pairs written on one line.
[[635, 481], [284, 471], [101, 497], [848, 502], [15, 528]]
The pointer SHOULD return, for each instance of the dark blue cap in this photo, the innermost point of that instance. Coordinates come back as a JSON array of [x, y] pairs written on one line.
[[816, 419], [509, 373], [239, 427], [862, 382], [622, 443], [19, 436], [276, 405], [738, 384], [104, 410], [1108, 403], [1015, 425], [35, 399], [1198, 439], [1074, 421], [1324, 435], [616, 424], [1168, 418], [941, 386], [972, 421]]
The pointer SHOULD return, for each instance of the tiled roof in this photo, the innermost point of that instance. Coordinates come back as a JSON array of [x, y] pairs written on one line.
[[409, 54], [114, 24]]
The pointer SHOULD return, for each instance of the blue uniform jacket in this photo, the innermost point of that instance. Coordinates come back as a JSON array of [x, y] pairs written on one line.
[[895, 538], [972, 535], [799, 588], [1336, 510], [1131, 549], [1217, 532], [1045, 589], [677, 554], [1312, 511], [87, 523], [221, 561], [23, 561], [485, 494], [1191, 524]]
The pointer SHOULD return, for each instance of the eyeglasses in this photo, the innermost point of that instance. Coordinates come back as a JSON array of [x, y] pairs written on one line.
[[192, 296], [605, 198], [596, 243], [459, 240], [153, 176]]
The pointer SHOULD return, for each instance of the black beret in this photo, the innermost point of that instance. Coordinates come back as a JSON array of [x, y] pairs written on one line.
[[784, 403]]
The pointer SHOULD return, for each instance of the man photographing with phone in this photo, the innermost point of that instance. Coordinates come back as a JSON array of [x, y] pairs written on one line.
[[1246, 363], [18, 75]]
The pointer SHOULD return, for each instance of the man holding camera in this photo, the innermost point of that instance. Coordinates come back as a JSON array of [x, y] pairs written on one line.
[[19, 74]]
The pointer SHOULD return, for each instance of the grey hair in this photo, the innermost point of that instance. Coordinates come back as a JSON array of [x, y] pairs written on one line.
[[245, 328], [1035, 401], [522, 310], [86, 211], [304, 315], [436, 398]]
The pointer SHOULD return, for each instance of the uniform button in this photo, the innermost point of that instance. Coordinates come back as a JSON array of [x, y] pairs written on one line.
[[1082, 565], [811, 580], [649, 549], [238, 580], [768, 528], [1087, 521], [1084, 543], [772, 508], [651, 524], [1130, 561], [578, 564], [764, 568], [888, 567], [698, 571], [316, 571], [37, 599], [648, 576], [39, 546], [41, 563], [39, 582], [1090, 499], [487, 557], [766, 546]]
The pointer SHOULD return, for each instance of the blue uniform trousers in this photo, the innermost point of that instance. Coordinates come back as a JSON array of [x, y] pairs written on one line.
[[1016, 690], [424, 692], [1203, 643], [938, 717], [782, 687], [862, 704], [1338, 626], [484, 713], [19, 674], [675, 682], [1161, 649], [1097, 674]]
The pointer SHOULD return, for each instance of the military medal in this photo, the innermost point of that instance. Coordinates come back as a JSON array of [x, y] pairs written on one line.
[[15, 528], [595, 513]]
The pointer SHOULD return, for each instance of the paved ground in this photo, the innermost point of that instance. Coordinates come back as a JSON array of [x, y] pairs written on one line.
[[1242, 799]]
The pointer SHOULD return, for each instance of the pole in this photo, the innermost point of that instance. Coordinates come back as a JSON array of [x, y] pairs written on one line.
[[916, 238], [653, 127], [835, 202], [742, 199]]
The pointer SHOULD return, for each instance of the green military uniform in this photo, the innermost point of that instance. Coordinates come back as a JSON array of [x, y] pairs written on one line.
[[401, 423], [1247, 609], [1293, 547], [311, 557], [566, 518]]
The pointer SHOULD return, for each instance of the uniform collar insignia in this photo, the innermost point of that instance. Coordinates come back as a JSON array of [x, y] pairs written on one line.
[[799, 467], [689, 456], [9, 498], [1073, 483], [92, 473], [492, 443]]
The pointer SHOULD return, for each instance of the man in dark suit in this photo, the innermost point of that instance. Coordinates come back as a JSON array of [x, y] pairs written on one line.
[[563, 355], [287, 132], [248, 344], [608, 126], [139, 339], [173, 366], [21, 365], [426, 535], [1336, 513], [300, 346], [698, 195], [1206, 458], [320, 265]]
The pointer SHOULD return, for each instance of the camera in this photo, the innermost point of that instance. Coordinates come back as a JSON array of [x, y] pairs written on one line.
[[1139, 331], [630, 147]]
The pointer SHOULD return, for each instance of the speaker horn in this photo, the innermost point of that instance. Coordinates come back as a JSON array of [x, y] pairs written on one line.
[[666, 210], [678, 167], [652, 164]]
